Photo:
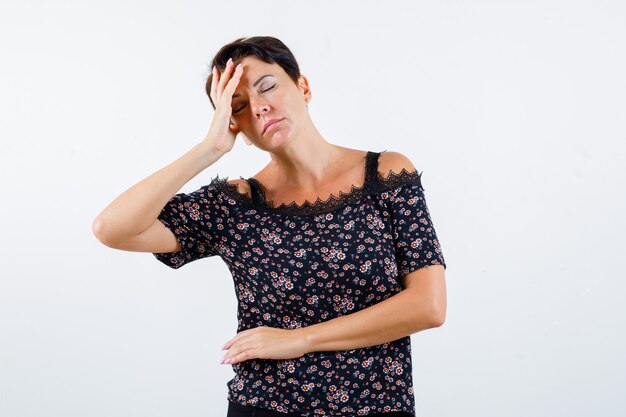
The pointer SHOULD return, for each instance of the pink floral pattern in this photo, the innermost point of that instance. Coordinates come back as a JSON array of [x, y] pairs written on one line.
[[297, 265]]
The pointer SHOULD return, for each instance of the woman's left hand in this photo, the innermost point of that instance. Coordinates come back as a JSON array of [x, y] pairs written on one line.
[[265, 343]]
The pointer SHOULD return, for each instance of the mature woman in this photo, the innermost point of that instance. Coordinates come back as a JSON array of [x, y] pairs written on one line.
[[332, 250]]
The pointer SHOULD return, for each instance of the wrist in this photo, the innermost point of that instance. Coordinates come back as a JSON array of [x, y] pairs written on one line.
[[304, 335], [208, 152]]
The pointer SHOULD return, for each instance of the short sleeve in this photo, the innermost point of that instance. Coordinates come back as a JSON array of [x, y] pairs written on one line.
[[197, 219], [415, 240]]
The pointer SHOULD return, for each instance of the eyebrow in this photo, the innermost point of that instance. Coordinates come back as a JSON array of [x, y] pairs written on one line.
[[255, 83]]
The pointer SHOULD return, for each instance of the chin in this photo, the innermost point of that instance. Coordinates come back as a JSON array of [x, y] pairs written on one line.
[[278, 137]]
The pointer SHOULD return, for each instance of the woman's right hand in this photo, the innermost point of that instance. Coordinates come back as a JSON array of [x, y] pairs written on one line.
[[222, 133]]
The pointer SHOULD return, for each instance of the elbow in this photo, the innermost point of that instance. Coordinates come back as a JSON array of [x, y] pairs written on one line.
[[438, 317], [437, 312], [100, 231], [97, 228], [437, 322]]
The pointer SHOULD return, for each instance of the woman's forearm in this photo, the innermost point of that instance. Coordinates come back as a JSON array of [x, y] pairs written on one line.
[[138, 207], [398, 316]]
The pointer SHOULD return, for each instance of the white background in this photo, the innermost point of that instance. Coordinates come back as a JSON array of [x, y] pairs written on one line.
[[515, 111]]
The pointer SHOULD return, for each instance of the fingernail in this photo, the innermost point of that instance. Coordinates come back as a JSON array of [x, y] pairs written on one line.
[[229, 360]]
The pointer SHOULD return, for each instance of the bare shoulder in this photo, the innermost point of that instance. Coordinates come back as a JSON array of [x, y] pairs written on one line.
[[393, 161], [243, 186]]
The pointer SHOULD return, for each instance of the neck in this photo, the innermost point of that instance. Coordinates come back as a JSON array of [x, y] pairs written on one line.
[[306, 163]]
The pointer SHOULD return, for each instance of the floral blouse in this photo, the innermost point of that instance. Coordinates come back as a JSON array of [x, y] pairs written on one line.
[[297, 265]]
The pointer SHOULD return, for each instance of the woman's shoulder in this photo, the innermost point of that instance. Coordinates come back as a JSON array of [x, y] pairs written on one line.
[[220, 184], [393, 162], [243, 186]]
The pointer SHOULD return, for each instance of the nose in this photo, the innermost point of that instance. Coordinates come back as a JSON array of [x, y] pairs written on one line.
[[260, 108]]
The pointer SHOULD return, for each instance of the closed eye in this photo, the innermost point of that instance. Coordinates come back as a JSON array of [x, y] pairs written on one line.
[[242, 107]]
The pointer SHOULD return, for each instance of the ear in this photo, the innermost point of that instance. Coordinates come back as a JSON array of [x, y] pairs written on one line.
[[245, 138], [303, 85]]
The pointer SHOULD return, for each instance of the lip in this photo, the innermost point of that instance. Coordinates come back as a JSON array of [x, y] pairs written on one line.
[[270, 122]]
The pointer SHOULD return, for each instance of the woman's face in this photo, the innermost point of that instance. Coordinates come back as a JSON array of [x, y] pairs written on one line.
[[265, 92]]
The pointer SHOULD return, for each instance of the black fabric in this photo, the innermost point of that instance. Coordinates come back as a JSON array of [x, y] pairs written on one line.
[[239, 410], [255, 189], [298, 265], [371, 171]]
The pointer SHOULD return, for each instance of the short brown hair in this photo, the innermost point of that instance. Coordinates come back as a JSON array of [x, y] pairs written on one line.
[[266, 48]]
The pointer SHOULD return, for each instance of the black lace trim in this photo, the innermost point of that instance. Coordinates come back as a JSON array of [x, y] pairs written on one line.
[[391, 181]]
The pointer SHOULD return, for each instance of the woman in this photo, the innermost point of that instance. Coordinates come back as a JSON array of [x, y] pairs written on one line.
[[332, 250]]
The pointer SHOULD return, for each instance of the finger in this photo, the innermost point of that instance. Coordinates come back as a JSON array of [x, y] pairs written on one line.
[[227, 96], [237, 338], [228, 344], [236, 359], [224, 78], [238, 353], [214, 81], [229, 90], [219, 81]]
